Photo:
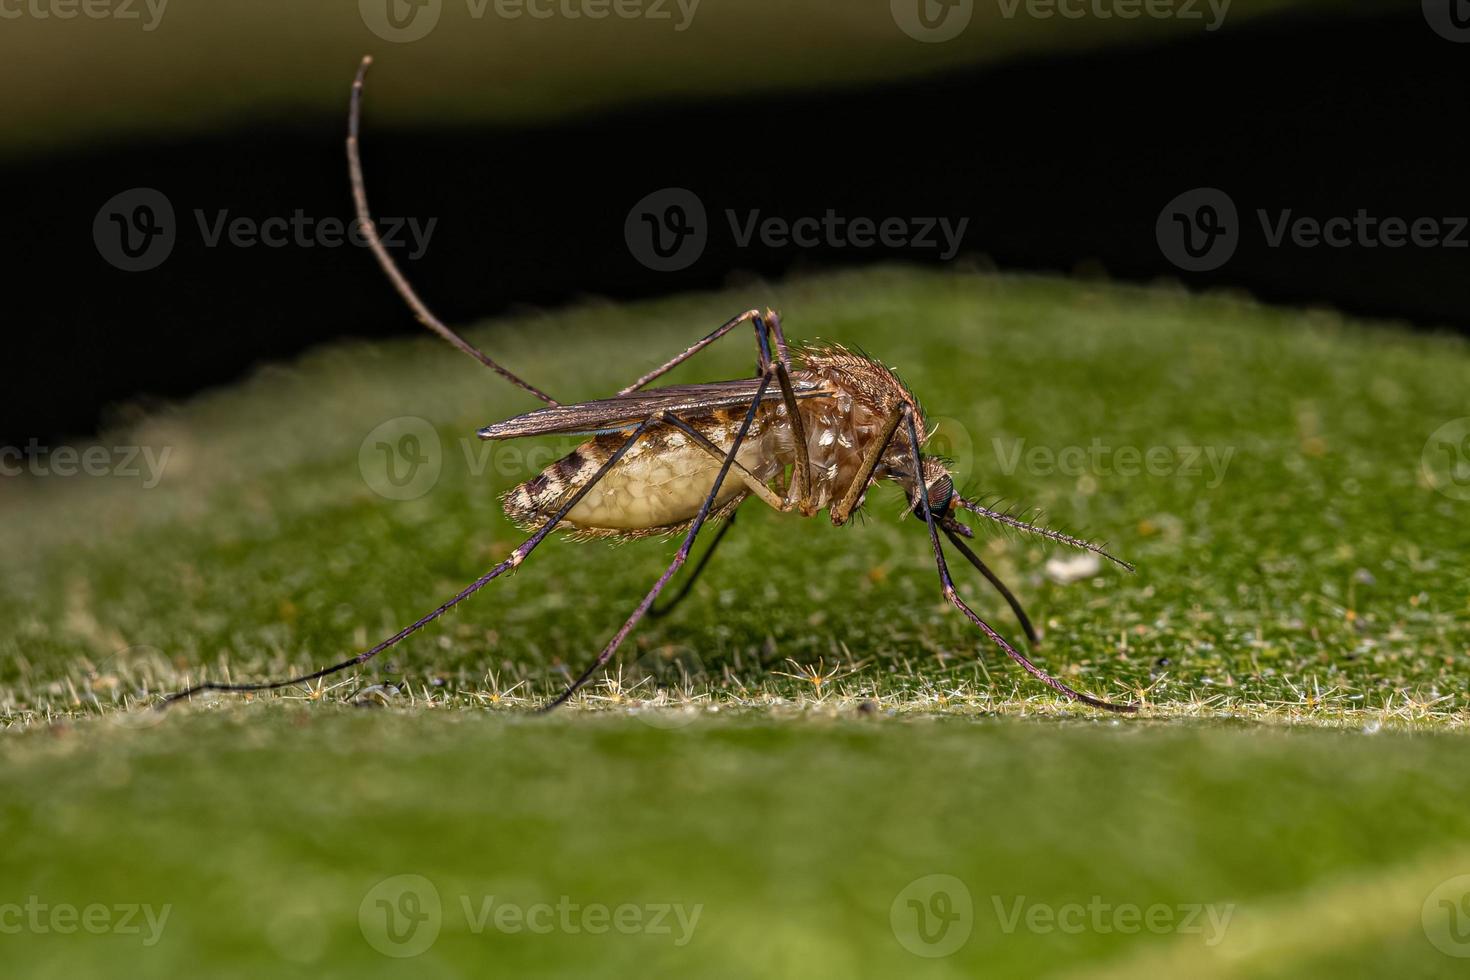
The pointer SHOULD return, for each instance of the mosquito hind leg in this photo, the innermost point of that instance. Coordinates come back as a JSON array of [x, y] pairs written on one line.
[[762, 343], [512, 561], [773, 324], [390, 268], [659, 612], [679, 558]]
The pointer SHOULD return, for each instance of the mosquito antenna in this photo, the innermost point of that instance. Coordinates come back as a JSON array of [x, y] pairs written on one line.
[[1001, 517], [396, 277], [1000, 586], [953, 596]]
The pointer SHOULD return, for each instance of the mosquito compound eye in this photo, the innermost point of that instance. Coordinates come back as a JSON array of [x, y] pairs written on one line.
[[940, 494]]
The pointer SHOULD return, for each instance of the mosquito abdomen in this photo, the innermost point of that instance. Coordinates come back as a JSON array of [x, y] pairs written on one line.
[[658, 485]]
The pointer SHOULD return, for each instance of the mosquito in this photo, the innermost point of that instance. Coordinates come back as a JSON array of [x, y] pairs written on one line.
[[813, 430]]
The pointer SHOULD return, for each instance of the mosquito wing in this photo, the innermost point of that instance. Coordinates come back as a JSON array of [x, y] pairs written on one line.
[[624, 411]]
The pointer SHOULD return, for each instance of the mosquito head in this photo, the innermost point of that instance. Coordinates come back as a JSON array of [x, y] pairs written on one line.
[[939, 485]]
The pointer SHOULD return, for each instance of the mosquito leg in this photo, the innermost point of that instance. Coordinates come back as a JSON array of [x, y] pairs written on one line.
[[1000, 586], [842, 510], [763, 352], [515, 559], [395, 276], [679, 558], [954, 597], [751, 483], [773, 324], [658, 612], [802, 468]]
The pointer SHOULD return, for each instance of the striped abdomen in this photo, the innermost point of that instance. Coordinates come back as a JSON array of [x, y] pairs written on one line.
[[657, 486]]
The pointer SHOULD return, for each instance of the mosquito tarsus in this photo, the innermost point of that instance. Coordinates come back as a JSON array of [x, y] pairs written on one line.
[[814, 429]]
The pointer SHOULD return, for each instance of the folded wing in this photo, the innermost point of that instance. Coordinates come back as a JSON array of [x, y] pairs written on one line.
[[626, 411]]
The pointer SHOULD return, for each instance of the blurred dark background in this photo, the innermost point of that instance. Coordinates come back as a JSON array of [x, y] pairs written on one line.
[[1061, 161]]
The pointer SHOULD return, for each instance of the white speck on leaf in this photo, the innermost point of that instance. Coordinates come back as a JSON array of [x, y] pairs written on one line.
[[1065, 571]]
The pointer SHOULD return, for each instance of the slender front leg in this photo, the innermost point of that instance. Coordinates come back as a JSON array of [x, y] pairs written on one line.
[[842, 510], [1000, 586], [679, 558], [801, 469], [954, 599]]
